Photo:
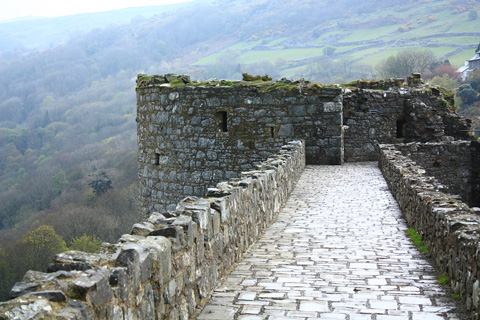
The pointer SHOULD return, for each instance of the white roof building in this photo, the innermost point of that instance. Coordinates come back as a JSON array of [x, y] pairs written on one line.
[[471, 64]]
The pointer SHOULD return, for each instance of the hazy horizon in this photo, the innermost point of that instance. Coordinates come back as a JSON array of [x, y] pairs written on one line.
[[27, 9]]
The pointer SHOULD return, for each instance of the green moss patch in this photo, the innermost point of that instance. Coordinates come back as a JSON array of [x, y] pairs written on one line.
[[417, 240]]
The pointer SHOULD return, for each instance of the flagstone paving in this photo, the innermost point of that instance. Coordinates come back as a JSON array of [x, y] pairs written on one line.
[[337, 251]]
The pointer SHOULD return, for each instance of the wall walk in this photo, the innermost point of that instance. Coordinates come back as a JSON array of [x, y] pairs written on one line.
[[337, 251]]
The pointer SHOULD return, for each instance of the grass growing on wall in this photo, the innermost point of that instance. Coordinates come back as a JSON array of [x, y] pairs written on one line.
[[417, 240]]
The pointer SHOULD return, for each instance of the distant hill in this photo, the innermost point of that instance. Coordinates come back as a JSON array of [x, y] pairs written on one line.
[[38, 33], [363, 32], [25, 18]]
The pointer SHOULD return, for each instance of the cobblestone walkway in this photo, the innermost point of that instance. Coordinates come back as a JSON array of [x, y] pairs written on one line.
[[337, 251]]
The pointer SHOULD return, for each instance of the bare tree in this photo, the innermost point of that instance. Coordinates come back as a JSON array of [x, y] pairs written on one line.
[[405, 62]]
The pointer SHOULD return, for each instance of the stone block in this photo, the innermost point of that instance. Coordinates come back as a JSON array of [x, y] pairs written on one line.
[[52, 295], [143, 228], [286, 130], [119, 278], [75, 310], [332, 107], [297, 111], [215, 218], [202, 218], [93, 287], [75, 260], [186, 223], [22, 288], [160, 249], [129, 257]]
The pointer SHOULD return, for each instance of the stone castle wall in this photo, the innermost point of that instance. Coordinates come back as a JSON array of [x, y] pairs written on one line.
[[191, 138], [476, 173], [452, 163], [448, 227], [169, 265], [395, 116]]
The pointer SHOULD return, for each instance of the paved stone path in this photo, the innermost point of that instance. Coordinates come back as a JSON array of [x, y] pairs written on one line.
[[337, 251]]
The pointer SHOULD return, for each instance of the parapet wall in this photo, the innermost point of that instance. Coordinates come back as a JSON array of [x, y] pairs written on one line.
[[448, 227], [455, 164], [398, 115], [170, 264]]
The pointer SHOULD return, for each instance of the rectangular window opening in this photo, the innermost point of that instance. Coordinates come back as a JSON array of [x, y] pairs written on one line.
[[272, 132], [222, 121], [157, 158], [400, 128]]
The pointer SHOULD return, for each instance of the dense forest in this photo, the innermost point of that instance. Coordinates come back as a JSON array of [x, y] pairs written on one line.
[[67, 101]]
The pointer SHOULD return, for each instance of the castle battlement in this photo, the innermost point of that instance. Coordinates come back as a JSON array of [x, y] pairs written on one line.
[[193, 135]]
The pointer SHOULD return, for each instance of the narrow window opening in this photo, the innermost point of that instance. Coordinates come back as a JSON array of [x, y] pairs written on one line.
[[400, 128], [222, 121], [157, 158], [272, 132]]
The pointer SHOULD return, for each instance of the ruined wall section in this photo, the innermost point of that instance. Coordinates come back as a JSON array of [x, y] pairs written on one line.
[[170, 264], [191, 138], [370, 117], [452, 163], [448, 227], [476, 173], [401, 114]]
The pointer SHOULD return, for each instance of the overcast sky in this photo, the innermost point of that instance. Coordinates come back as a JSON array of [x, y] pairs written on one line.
[[10, 9]]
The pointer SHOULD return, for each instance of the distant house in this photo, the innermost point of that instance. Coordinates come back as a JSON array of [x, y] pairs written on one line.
[[471, 65]]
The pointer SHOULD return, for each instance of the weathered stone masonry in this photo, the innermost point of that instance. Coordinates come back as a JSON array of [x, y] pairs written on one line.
[[194, 137], [448, 227], [169, 264], [395, 116], [454, 164]]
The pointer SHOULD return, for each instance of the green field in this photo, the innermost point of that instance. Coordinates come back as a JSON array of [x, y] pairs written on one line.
[[321, 40], [458, 59], [341, 49], [374, 59], [211, 59], [287, 54], [370, 34], [359, 54], [418, 21], [462, 40], [275, 42], [292, 72]]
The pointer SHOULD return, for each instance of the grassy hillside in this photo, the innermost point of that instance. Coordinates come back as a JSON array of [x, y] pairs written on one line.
[[366, 37]]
